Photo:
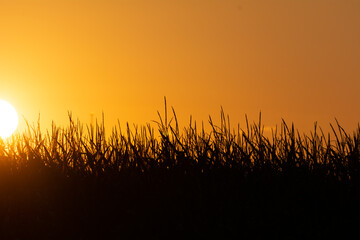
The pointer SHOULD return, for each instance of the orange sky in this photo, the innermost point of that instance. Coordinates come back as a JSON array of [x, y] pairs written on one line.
[[297, 60]]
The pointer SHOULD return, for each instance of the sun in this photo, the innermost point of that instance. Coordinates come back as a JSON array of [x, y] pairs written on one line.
[[8, 119]]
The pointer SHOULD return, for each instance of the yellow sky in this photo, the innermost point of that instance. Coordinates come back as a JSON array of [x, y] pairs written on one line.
[[297, 60]]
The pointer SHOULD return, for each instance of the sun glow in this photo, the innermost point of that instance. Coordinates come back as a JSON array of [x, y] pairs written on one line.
[[8, 119]]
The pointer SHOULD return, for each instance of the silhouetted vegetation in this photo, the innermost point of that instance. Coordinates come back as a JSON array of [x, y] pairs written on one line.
[[76, 183]]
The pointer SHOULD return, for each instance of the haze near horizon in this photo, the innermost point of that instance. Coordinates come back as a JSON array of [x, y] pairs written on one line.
[[296, 60]]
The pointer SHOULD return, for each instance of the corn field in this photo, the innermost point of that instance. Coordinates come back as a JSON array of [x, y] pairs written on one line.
[[79, 183]]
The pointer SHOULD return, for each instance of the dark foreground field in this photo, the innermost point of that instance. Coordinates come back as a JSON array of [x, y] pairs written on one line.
[[74, 183]]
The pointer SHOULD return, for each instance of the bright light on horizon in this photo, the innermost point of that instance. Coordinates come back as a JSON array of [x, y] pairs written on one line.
[[8, 119]]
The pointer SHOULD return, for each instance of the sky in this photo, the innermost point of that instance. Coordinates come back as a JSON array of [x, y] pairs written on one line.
[[288, 59]]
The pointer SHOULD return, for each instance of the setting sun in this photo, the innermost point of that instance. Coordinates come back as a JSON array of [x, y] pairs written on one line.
[[8, 119]]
